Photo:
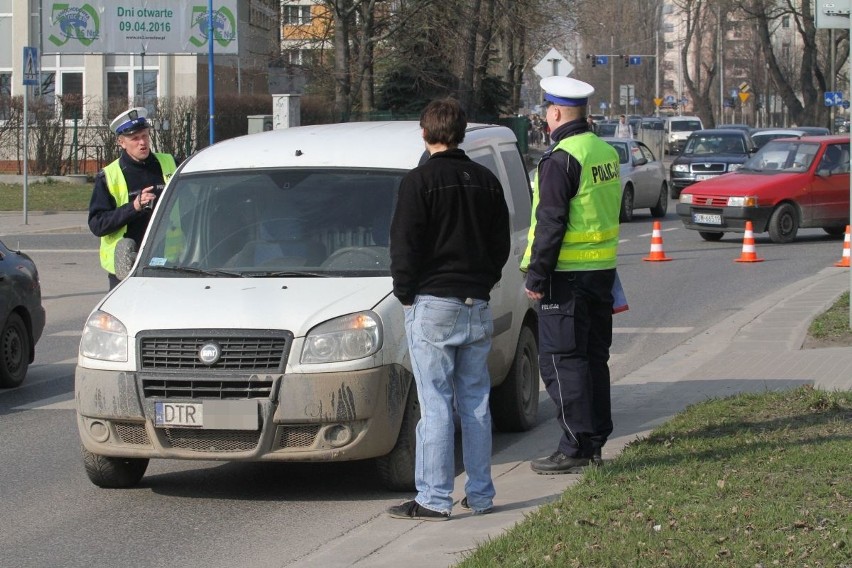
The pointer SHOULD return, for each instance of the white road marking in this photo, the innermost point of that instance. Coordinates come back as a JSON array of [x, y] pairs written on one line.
[[661, 230], [67, 333]]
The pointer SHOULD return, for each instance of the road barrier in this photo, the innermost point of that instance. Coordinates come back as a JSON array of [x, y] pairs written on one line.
[[657, 254], [844, 260], [748, 254]]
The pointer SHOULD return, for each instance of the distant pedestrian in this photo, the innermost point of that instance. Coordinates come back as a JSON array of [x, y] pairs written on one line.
[[450, 238], [623, 128]]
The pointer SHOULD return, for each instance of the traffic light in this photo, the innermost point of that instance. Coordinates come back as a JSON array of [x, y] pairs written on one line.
[[594, 59], [626, 60]]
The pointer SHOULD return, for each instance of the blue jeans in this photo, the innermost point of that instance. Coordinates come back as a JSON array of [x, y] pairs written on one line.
[[449, 342]]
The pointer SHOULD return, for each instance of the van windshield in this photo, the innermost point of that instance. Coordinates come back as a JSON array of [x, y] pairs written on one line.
[[685, 125], [293, 222]]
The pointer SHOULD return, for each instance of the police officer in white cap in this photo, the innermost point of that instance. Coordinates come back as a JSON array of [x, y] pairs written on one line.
[[570, 265], [125, 190]]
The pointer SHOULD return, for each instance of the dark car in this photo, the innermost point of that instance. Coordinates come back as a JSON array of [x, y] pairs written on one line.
[[606, 128], [761, 136], [707, 154], [789, 184], [21, 315]]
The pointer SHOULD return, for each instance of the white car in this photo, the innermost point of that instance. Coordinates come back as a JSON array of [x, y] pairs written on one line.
[[257, 320]]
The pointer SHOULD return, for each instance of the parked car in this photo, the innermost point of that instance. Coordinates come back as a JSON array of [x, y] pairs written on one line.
[[269, 329], [761, 136], [21, 315], [841, 124], [707, 154], [814, 130], [653, 123], [677, 130], [787, 185], [606, 128], [643, 179]]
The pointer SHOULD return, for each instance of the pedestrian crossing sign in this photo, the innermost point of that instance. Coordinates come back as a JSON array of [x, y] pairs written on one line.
[[30, 66]]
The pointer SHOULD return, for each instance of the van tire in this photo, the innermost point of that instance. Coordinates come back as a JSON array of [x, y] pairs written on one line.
[[514, 404], [15, 351], [113, 473], [396, 469]]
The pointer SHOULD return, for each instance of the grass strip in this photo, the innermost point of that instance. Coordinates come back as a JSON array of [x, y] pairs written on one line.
[[50, 195], [832, 324], [754, 480]]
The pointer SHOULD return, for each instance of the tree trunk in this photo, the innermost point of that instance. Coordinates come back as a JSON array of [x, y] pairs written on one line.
[[466, 85]]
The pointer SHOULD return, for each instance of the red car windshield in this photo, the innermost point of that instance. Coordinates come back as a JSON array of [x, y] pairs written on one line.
[[777, 156]]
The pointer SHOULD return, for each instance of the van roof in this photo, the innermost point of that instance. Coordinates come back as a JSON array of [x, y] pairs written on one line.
[[385, 145]]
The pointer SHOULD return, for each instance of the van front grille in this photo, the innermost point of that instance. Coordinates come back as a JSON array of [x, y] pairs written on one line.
[[239, 350]]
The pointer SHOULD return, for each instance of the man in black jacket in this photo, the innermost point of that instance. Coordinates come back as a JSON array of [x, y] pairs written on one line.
[[450, 238]]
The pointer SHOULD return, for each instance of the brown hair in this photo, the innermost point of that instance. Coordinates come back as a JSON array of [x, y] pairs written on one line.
[[443, 122]]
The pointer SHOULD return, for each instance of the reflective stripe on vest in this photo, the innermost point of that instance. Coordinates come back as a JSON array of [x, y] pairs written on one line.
[[117, 187], [591, 237]]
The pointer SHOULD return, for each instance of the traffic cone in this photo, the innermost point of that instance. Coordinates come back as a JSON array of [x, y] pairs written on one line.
[[657, 254], [748, 254], [844, 260]]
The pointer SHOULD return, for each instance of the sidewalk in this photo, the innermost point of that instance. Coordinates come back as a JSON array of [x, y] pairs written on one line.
[[754, 350]]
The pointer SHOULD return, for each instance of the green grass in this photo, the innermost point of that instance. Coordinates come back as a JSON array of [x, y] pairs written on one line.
[[48, 196], [753, 480], [833, 325]]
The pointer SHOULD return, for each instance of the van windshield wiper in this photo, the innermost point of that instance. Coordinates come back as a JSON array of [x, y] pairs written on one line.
[[199, 271], [283, 274]]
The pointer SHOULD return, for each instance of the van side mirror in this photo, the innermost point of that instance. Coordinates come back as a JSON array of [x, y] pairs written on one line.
[[125, 257]]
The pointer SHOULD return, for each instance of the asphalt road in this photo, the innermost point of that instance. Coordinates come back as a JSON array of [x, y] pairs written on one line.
[[236, 514]]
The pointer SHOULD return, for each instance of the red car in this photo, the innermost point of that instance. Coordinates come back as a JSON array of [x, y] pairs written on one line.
[[788, 184]]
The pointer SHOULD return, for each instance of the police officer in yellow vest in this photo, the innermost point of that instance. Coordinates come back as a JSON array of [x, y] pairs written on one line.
[[570, 265], [126, 189]]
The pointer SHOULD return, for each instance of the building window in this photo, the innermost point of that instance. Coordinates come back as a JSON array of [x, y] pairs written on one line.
[[298, 56], [118, 93], [5, 96], [145, 90], [72, 96], [297, 15]]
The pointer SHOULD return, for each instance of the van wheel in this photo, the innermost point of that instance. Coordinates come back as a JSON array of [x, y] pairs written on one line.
[[514, 404], [626, 204], [659, 210], [113, 473], [711, 237], [14, 351], [396, 469], [784, 224]]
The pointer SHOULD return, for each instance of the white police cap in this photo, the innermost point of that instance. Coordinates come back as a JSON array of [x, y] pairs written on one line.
[[566, 91], [130, 121]]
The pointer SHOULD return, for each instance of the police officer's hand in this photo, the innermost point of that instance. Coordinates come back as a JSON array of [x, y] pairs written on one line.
[[145, 199], [533, 295]]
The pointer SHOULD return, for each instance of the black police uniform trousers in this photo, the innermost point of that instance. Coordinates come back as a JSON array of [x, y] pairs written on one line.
[[575, 334]]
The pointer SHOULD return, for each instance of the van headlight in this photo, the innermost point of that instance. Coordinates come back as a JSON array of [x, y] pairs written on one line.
[[104, 338], [346, 338]]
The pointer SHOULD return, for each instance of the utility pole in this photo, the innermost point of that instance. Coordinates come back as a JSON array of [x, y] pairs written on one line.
[[611, 75]]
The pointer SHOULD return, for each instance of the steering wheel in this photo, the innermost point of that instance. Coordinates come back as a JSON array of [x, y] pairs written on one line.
[[358, 257]]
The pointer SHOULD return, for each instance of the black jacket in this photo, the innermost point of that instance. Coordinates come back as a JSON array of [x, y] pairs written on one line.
[[450, 234], [106, 216]]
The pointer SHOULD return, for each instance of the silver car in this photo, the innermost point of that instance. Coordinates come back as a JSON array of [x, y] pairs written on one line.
[[643, 179]]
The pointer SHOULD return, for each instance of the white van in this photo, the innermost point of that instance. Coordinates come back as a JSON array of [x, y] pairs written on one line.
[[678, 129], [257, 322]]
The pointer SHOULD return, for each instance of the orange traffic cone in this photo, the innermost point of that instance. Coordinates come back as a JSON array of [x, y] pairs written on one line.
[[748, 254], [844, 260], [657, 254]]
